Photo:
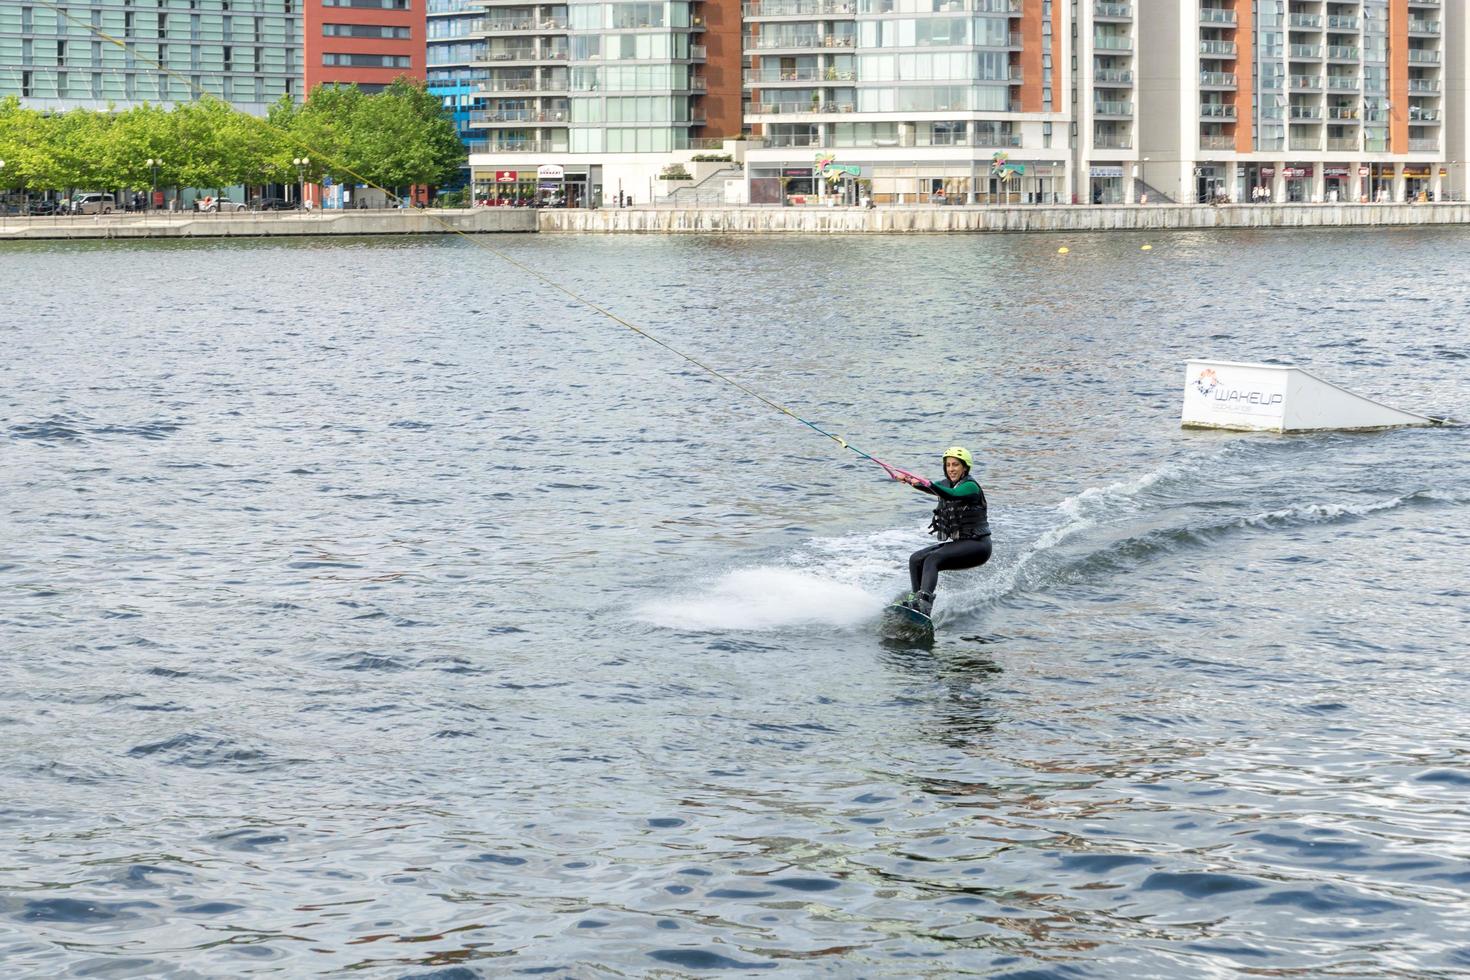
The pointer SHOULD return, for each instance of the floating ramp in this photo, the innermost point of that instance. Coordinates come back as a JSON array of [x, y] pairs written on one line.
[[1279, 398]]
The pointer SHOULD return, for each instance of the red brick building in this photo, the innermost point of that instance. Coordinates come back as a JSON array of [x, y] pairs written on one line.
[[365, 42]]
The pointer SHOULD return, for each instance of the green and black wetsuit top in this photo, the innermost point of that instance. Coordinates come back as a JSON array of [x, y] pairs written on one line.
[[962, 513]]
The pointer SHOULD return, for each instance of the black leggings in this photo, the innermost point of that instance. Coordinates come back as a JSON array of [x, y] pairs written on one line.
[[926, 563]]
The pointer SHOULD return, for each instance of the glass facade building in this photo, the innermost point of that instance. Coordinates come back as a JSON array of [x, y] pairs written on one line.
[[247, 52]]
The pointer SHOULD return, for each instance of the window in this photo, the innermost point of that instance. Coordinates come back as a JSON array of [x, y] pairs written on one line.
[[365, 30], [368, 4], [367, 60]]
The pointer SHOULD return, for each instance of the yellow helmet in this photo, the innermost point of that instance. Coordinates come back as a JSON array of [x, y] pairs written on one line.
[[962, 454]]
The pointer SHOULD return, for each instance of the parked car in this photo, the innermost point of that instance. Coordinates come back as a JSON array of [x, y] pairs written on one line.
[[42, 208], [272, 204], [93, 203], [210, 205]]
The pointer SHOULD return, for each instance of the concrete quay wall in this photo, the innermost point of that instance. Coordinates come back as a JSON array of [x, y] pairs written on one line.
[[270, 224], [951, 218]]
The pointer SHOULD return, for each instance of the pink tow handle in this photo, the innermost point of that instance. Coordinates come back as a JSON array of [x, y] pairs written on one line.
[[903, 476]]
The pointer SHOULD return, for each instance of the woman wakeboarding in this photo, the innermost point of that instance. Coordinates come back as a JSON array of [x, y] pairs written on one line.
[[961, 522]]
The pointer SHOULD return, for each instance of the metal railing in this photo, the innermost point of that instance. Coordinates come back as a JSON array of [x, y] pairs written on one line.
[[1112, 76], [1309, 51], [1341, 113], [1423, 26], [1304, 82], [1418, 115], [1217, 79], [1423, 86], [1105, 107], [1112, 42], [772, 76], [1112, 141], [1342, 83], [1343, 22], [1103, 8], [1342, 52], [1423, 145], [797, 8], [1216, 15], [1218, 48], [1343, 142], [1216, 110], [1305, 21], [1424, 56], [1210, 141], [1304, 113], [799, 108]]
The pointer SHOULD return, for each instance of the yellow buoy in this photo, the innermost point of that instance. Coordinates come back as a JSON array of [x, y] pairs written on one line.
[[1063, 250], [1146, 248]]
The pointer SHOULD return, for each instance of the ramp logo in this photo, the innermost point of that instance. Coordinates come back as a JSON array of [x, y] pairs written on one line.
[[1206, 382]]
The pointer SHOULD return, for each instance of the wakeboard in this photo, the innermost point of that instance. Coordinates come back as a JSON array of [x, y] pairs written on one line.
[[901, 622]]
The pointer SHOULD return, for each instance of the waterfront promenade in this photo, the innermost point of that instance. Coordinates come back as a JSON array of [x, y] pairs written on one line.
[[738, 220]]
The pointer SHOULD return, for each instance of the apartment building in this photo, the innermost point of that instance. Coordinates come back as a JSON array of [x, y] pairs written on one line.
[[247, 52], [454, 45], [367, 43], [589, 100], [909, 101], [1295, 100], [1105, 101]]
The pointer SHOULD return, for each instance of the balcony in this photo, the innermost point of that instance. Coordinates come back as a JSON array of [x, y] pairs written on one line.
[[1304, 22], [1112, 42], [1342, 83], [998, 7], [1102, 10], [523, 146], [1424, 145], [1216, 111], [513, 25], [1218, 49], [1342, 52], [1115, 110], [1304, 113], [1217, 15], [1343, 114], [1217, 79], [776, 76], [1304, 52], [781, 42], [1423, 56], [1304, 83], [1423, 86], [1113, 77], [1343, 143], [518, 116], [1424, 28], [796, 8], [799, 108], [1344, 22], [1112, 141], [1214, 141], [1423, 117], [502, 55], [996, 139]]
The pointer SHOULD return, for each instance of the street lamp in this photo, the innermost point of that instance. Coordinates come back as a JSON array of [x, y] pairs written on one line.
[[301, 164], [153, 191]]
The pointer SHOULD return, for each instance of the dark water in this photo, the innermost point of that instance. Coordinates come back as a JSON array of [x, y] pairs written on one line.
[[370, 609]]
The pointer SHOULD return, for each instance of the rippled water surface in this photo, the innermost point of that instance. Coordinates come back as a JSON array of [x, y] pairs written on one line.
[[370, 609]]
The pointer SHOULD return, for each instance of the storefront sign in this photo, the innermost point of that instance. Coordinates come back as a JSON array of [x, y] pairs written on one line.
[[1335, 171], [1362, 171], [550, 171], [505, 177], [1297, 172], [1444, 171], [796, 172], [1267, 172], [1416, 171], [548, 185], [1106, 171]]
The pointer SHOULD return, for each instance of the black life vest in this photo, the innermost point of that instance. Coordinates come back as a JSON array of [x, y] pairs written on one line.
[[961, 519]]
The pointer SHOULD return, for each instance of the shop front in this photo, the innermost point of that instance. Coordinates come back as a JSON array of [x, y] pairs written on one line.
[[1210, 183], [1105, 184], [1416, 181], [547, 186], [1255, 183], [1338, 183], [1298, 177], [1380, 183]]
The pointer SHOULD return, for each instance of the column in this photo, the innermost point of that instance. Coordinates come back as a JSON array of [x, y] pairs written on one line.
[[1130, 183], [1398, 182], [1437, 185], [1278, 183], [1319, 182], [1232, 186]]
